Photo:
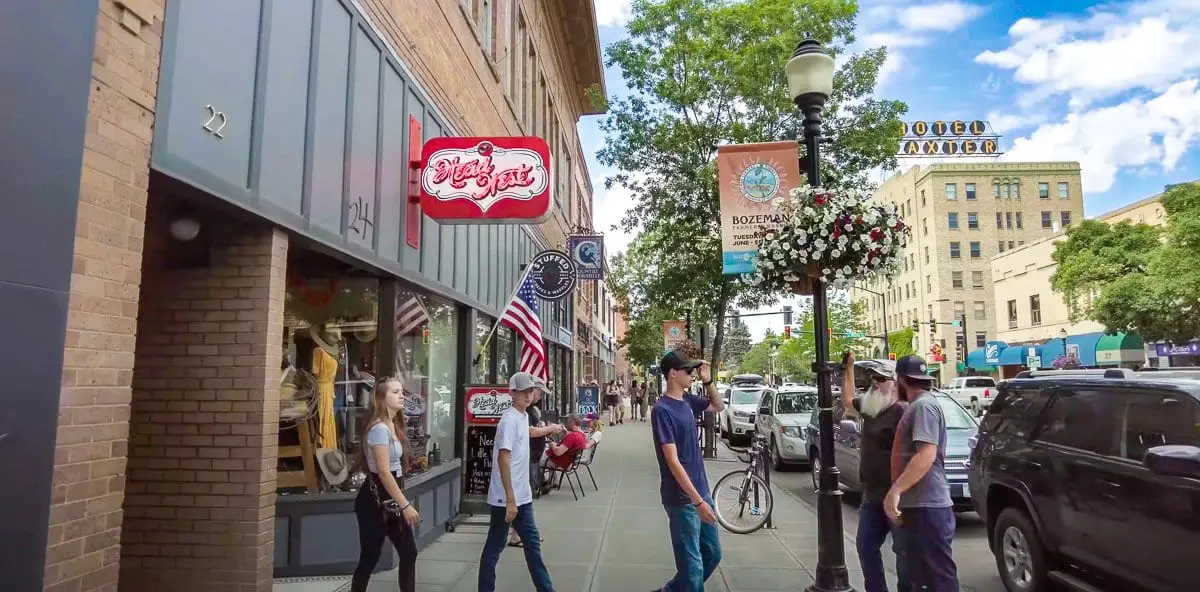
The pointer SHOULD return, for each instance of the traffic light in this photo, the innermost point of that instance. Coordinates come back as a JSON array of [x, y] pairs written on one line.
[[787, 332], [787, 315], [916, 325]]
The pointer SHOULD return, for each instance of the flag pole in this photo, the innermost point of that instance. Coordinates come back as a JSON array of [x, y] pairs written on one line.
[[525, 269]]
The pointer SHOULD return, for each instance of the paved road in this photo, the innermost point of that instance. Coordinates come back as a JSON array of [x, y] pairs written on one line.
[[976, 567]]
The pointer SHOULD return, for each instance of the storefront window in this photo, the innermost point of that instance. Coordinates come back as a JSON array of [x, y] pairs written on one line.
[[506, 354], [483, 369], [330, 355], [426, 361]]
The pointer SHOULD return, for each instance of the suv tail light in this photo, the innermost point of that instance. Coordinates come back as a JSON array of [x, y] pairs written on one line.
[[987, 393]]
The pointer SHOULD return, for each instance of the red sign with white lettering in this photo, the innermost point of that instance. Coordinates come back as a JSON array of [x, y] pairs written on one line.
[[486, 180]]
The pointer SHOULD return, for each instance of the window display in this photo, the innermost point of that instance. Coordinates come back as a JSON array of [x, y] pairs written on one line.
[[483, 368], [426, 353], [506, 354]]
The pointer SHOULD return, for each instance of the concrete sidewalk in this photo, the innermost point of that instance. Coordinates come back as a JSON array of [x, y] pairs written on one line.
[[615, 539]]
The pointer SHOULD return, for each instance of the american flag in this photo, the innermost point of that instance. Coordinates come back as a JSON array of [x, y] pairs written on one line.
[[522, 316], [410, 316]]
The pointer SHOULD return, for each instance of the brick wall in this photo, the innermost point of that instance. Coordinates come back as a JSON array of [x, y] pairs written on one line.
[[89, 463], [200, 496]]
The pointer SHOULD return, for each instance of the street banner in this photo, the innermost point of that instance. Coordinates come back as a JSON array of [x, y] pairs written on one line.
[[587, 252], [750, 177], [673, 333], [589, 400]]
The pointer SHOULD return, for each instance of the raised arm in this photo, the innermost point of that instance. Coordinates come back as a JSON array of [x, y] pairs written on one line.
[[715, 402], [848, 384]]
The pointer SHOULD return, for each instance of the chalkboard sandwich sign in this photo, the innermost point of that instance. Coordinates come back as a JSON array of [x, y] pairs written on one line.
[[485, 403]]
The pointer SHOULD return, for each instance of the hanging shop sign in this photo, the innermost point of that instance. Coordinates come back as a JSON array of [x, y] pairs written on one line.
[[1191, 348], [587, 253], [486, 180], [673, 333], [750, 177], [486, 403], [948, 138], [554, 275]]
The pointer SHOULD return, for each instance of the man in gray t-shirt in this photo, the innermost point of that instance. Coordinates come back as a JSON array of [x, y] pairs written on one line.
[[920, 497]]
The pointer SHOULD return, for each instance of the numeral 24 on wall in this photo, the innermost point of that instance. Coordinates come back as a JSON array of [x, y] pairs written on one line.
[[214, 115]]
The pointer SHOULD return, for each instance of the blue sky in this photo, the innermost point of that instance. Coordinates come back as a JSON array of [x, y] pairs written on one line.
[[1114, 85]]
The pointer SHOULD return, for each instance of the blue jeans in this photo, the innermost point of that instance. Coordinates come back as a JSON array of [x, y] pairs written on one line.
[[497, 539], [928, 535], [697, 548], [873, 529]]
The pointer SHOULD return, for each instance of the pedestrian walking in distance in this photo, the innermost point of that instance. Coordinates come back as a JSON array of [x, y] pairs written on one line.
[[684, 486], [382, 509], [639, 401], [920, 498], [510, 495], [880, 412]]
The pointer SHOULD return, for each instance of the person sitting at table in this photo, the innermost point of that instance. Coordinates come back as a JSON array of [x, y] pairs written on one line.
[[563, 453]]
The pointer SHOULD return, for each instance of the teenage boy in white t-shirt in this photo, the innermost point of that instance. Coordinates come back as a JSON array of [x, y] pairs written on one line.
[[510, 494]]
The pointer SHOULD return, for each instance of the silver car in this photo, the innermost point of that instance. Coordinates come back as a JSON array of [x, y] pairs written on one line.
[[737, 420], [781, 419]]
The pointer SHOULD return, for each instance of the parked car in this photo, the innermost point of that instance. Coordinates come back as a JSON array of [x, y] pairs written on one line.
[[781, 417], [961, 428], [973, 392], [737, 419], [1091, 479]]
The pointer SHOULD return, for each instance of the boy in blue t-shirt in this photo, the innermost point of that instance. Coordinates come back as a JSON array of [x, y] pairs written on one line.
[[684, 489]]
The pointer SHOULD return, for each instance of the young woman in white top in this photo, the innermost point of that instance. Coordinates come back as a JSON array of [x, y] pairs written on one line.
[[382, 509]]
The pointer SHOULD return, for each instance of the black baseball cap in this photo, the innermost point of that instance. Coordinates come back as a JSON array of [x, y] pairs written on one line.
[[913, 367], [677, 360]]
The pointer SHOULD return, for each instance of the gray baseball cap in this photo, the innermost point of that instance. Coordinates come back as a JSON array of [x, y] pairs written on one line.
[[541, 384], [523, 381]]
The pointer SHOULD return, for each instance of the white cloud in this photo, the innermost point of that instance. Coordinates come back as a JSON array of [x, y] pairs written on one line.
[[1135, 133], [613, 13], [942, 16], [1004, 123]]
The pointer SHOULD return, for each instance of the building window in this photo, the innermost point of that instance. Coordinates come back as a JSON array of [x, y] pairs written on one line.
[[922, 198], [924, 226], [1007, 191], [1063, 193], [1008, 219], [976, 279], [481, 15], [1035, 310], [906, 294], [1046, 220], [999, 220], [956, 279], [1019, 226], [1001, 246], [1044, 190], [951, 191], [1065, 217], [955, 249], [952, 220], [980, 310], [973, 220], [996, 189], [1010, 244], [970, 191], [1020, 242], [981, 339], [960, 310], [1012, 314], [928, 284], [1016, 190], [908, 206], [976, 250]]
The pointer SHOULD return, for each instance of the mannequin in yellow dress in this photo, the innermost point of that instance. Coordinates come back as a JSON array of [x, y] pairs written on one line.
[[324, 368]]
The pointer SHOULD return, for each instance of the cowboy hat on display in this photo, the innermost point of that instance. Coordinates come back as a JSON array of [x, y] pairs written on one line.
[[333, 465]]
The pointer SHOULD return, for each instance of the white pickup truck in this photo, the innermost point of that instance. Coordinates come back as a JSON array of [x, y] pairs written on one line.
[[973, 392]]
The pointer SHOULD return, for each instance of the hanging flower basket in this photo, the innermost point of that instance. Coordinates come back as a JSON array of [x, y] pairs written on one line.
[[836, 236]]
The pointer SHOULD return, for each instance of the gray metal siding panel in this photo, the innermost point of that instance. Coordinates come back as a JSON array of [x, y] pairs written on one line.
[[285, 103], [446, 263], [431, 241], [218, 74], [329, 117], [493, 264], [393, 165], [460, 258], [473, 263], [411, 258], [362, 206]]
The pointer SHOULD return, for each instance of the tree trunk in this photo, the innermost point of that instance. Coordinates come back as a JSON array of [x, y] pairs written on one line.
[[719, 333]]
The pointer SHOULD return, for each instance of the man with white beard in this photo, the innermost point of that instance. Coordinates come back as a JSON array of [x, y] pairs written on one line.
[[880, 411]]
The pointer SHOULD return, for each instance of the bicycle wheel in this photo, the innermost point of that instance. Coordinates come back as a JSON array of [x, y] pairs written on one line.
[[742, 503]]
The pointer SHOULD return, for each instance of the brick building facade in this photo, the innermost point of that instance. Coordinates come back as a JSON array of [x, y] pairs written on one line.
[[152, 440]]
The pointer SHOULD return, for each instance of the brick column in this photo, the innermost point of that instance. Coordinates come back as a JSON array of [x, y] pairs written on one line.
[[89, 463], [200, 496]]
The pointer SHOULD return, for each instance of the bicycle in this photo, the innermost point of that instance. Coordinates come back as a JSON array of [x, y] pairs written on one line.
[[742, 499]]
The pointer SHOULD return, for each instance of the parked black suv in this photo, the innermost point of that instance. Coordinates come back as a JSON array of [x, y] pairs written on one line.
[[1092, 479]]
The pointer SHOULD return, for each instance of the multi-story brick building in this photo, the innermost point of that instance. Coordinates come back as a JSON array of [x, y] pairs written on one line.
[[200, 193], [961, 215]]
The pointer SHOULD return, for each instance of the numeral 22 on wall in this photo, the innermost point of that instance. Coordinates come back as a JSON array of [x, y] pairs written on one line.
[[213, 116]]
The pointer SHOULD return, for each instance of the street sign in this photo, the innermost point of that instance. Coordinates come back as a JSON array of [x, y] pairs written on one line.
[[855, 334], [1034, 362], [956, 324]]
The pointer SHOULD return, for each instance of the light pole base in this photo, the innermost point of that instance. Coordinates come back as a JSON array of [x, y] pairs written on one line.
[[841, 584]]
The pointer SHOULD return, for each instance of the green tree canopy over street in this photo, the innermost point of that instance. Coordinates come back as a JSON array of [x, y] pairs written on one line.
[[1136, 278], [704, 73], [796, 355]]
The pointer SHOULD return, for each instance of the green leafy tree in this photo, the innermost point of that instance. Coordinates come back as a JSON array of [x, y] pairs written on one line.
[[758, 358], [900, 342], [1136, 278], [709, 72], [797, 355], [643, 340], [737, 343]]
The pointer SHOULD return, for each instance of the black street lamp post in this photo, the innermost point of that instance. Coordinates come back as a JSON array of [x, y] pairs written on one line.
[[810, 80]]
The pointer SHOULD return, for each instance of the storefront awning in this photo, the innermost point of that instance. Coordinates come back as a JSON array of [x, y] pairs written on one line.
[[1112, 350], [977, 359], [1085, 344], [1015, 355]]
